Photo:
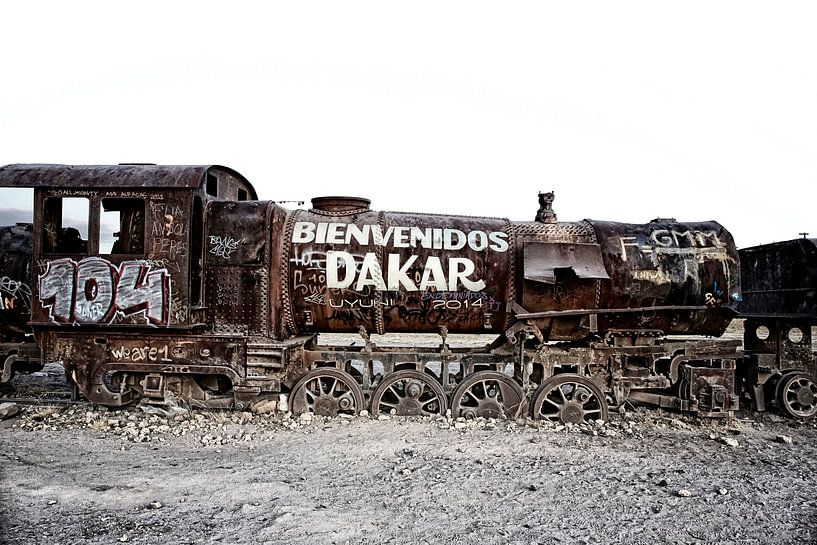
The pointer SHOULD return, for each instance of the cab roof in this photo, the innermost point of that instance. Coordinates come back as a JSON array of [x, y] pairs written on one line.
[[130, 175]]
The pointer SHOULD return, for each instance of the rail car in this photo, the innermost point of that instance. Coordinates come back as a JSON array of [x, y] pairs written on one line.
[[147, 280]]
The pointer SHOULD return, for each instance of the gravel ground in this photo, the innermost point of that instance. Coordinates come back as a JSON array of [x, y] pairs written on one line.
[[73, 475]]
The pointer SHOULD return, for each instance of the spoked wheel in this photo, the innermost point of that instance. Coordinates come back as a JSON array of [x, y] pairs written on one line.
[[569, 399], [797, 395], [327, 392], [487, 394], [409, 393]]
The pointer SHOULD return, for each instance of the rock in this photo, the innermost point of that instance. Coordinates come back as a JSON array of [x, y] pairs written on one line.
[[8, 410], [684, 493], [460, 425], [723, 491], [663, 482], [384, 417], [729, 441], [264, 407], [784, 439], [155, 505], [364, 413]]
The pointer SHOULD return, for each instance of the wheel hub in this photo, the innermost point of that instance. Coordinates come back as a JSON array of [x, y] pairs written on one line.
[[413, 390], [409, 407], [490, 409], [571, 413], [326, 406], [805, 396]]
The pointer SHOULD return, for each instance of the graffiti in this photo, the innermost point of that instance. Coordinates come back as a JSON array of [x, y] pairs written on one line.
[[163, 263], [310, 285], [456, 300], [143, 353], [127, 194], [670, 241], [160, 209], [169, 230], [316, 299], [370, 273], [398, 272], [398, 237], [95, 291], [14, 294], [223, 246], [169, 227], [73, 193], [360, 303], [170, 247]]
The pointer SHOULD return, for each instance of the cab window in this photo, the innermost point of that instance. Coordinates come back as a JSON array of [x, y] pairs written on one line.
[[122, 226], [65, 225]]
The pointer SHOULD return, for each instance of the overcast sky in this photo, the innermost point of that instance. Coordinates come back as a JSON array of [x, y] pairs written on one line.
[[628, 111]]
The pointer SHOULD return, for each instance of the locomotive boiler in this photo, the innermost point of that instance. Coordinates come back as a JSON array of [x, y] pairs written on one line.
[[152, 280]]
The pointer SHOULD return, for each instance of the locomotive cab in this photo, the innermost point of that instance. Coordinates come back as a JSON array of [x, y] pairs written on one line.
[[119, 277]]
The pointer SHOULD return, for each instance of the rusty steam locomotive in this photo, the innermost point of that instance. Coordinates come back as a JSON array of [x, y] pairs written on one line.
[[178, 280]]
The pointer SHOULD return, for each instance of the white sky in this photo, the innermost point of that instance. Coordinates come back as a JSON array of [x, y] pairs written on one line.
[[628, 111]]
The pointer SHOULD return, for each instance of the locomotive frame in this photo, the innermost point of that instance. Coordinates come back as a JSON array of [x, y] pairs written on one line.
[[204, 292]]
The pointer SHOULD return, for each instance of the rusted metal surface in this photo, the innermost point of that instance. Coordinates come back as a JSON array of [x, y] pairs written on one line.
[[237, 267], [780, 305], [780, 279], [666, 263], [394, 272], [133, 176]]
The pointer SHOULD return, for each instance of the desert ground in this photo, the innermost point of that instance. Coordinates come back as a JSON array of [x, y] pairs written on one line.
[[79, 474]]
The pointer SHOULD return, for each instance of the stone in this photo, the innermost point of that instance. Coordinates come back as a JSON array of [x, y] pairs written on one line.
[[684, 493], [784, 439], [729, 441], [8, 410]]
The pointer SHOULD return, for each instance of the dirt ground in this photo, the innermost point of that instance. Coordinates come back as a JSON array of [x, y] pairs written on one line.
[[77, 476], [74, 475]]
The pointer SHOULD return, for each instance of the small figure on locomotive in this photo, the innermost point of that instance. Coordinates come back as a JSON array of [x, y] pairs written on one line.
[[182, 282]]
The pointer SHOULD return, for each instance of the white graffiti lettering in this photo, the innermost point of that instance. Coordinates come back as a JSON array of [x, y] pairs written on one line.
[[223, 246], [141, 353], [14, 294], [342, 272], [95, 291], [398, 237], [670, 241]]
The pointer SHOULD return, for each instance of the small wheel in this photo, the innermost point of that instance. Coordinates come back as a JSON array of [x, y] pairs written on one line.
[[409, 393], [797, 395], [569, 399], [487, 394], [327, 392]]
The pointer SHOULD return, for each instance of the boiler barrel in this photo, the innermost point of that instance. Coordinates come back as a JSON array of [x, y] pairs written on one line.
[[349, 266]]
